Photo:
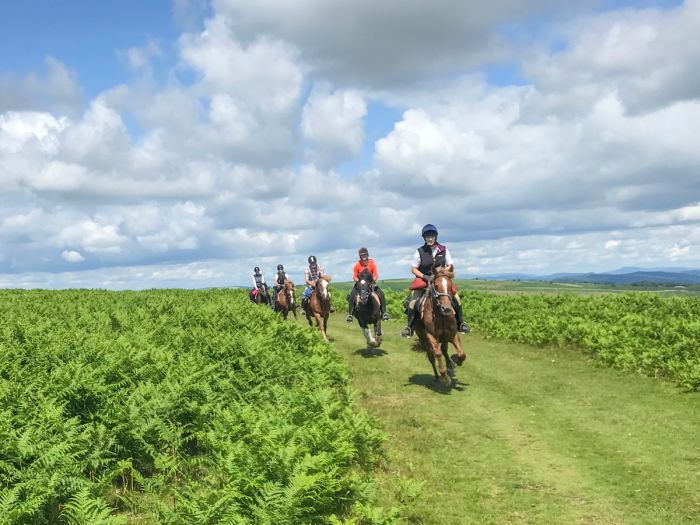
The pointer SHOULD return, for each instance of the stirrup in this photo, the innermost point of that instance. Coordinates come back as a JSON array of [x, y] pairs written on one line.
[[349, 319], [385, 316], [464, 328], [407, 332]]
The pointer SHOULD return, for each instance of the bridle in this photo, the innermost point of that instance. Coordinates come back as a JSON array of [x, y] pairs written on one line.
[[436, 294], [288, 294], [321, 290], [364, 291]]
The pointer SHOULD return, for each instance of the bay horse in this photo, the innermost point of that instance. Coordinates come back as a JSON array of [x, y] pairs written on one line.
[[319, 305], [286, 300], [436, 326], [368, 311]]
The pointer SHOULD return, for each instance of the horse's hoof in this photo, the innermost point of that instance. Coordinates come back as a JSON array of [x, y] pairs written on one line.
[[456, 359], [451, 372]]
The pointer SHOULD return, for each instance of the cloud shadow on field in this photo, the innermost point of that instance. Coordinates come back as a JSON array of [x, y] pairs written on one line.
[[428, 381], [370, 352]]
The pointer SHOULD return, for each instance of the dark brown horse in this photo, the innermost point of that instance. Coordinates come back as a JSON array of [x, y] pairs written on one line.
[[437, 326], [261, 296], [319, 305], [286, 300], [368, 311]]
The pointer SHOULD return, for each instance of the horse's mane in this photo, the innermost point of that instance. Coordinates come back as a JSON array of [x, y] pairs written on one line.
[[443, 271], [289, 284]]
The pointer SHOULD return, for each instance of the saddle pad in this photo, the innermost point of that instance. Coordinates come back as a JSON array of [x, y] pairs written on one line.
[[417, 284]]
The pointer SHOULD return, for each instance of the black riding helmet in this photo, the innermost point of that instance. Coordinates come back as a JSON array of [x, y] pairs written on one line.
[[312, 259], [256, 269], [280, 267], [429, 228], [363, 251]]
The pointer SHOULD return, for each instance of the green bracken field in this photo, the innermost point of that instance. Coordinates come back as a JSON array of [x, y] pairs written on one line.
[[175, 406]]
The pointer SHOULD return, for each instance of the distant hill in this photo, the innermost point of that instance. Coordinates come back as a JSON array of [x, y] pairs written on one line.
[[622, 276]]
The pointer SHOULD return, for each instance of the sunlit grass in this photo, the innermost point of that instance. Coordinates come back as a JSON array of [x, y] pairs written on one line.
[[528, 436]]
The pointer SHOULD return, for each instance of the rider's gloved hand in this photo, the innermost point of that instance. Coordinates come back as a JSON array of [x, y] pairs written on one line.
[[427, 277]]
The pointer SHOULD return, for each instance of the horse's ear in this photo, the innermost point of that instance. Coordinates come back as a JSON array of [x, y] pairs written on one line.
[[327, 278]]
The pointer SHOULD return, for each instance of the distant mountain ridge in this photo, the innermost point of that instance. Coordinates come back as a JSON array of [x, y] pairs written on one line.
[[621, 276]]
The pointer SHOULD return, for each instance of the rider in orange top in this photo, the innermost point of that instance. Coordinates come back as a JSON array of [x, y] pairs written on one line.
[[366, 269]]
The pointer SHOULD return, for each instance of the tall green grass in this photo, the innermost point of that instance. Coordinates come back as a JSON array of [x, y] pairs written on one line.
[[174, 407]]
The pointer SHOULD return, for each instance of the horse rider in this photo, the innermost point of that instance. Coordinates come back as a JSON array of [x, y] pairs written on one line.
[[280, 279], [423, 259], [366, 269], [259, 283], [312, 272]]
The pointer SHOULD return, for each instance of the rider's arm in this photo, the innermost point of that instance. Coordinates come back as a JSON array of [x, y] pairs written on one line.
[[262, 279], [372, 267], [448, 261], [255, 285], [356, 272], [416, 264], [307, 277]]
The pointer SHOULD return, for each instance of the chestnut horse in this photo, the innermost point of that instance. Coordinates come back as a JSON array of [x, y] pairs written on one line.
[[437, 326], [319, 305], [286, 300]]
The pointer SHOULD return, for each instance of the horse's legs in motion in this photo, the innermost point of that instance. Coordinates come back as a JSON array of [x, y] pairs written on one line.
[[444, 379], [461, 355], [448, 359], [321, 325]]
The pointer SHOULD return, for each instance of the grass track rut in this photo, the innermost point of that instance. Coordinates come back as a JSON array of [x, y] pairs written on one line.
[[529, 435]]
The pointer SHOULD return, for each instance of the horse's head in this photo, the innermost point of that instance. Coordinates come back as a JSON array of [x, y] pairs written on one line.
[[364, 289], [441, 290], [288, 291], [322, 286]]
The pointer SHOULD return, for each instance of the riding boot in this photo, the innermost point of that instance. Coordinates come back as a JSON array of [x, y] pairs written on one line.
[[463, 327], [351, 309], [382, 307], [410, 318]]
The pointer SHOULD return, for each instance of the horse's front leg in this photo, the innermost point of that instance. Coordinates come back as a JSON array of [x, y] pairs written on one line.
[[429, 353], [321, 327], [369, 336], [444, 346], [461, 354], [325, 327], [437, 352]]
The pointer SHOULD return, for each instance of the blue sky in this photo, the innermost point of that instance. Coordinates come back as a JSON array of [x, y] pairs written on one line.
[[180, 143]]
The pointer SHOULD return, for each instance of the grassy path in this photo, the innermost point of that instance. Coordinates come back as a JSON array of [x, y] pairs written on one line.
[[528, 436]]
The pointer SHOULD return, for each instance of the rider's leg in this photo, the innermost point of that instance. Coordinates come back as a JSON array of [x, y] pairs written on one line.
[[382, 303], [411, 312], [457, 305], [351, 304], [305, 297]]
